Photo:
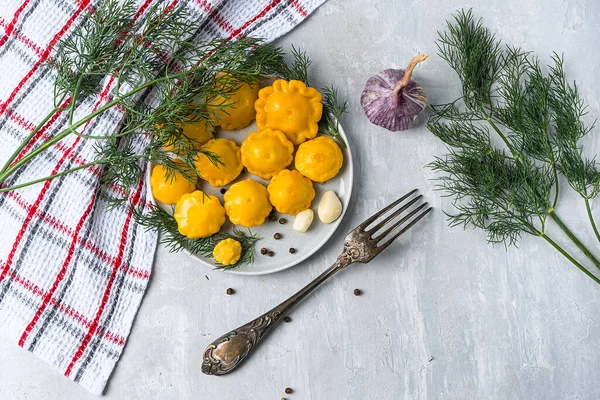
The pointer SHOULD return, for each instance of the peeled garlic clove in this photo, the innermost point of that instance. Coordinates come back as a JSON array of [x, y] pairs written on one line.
[[303, 220], [330, 207]]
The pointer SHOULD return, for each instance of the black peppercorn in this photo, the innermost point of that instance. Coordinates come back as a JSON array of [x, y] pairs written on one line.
[[288, 390], [277, 236], [357, 292], [270, 254], [292, 250], [223, 190], [286, 319], [263, 251], [230, 291], [282, 221]]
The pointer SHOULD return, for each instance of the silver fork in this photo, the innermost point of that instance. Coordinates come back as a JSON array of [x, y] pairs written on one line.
[[361, 245]]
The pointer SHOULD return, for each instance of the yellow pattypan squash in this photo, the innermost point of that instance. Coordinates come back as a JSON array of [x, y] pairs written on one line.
[[267, 152], [247, 203], [169, 189], [290, 107], [235, 111], [227, 251], [194, 135], [230, 158], [319, 159], [199, 215], [290, 192]]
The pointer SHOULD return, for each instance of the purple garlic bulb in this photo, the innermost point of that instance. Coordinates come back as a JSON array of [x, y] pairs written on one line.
[[392, 100]]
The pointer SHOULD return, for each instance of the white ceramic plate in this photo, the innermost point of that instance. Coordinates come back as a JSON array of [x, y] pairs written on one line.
[[305, 244]]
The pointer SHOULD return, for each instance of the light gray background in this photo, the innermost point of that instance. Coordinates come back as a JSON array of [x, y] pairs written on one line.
[[522, 324]]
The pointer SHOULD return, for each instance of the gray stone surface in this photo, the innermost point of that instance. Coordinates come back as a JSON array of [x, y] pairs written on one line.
[[443, 314]]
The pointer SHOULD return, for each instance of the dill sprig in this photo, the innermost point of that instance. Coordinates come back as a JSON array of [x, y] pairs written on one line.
[[298, 69], [157, 219], [474, 53], [582, 174], [507, 98], [333, 110]]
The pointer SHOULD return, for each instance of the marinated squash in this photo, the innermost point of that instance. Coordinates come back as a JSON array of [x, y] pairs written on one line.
[[267, 152], [195, 134], [199, 215], [247, 203], [227, 251], [290, 192], [168, 188], [235, 111], [319, 159], [230, 165], [290, 107]]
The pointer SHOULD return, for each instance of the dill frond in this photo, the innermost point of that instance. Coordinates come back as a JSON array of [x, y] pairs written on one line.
[[298, 69], [568, 111], [511, 189], [333, 110], [475, 54]]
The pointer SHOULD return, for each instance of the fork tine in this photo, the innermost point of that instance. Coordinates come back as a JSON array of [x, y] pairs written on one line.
[[398, 223], [383, 211], [394, 214], [407, 227]]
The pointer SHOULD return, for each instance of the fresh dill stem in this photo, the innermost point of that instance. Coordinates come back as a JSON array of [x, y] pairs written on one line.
[[74, 102], [71, 129], [591, 218], [507, 142], [570, 258], [47, 178], [23, 144], [73, 126], [537, 116], [574, 238]]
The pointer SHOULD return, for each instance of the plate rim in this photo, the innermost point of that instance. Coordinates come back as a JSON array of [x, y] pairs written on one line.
[[305, 256]]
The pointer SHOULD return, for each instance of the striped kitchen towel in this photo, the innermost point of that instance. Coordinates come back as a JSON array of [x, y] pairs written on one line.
[[73, 272]]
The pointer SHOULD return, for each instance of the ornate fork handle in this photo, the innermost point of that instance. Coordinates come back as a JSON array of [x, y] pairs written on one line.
[[227, 352]]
